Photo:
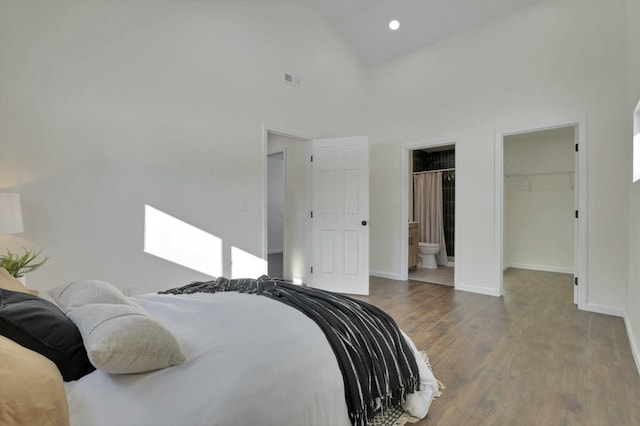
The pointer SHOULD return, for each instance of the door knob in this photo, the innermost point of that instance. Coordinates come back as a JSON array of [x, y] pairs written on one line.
[[364, 223]]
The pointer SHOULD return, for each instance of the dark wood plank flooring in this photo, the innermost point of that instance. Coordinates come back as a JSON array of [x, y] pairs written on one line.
[[528, 358]]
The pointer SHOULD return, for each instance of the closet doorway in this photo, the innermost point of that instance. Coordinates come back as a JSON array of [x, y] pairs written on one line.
[[431, 213], [541, 208]]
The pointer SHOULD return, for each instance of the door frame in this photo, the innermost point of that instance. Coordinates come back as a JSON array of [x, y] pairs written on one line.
[[404, 211], [292, 134], [580, 229]]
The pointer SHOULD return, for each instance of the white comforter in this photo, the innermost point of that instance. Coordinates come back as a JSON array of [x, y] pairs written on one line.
[[250, 361]]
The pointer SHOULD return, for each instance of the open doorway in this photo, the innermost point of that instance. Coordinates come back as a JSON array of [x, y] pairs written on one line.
[[539, 208], [276, 201], [288, 203], [431, 213], [541, 205], [328, 177]]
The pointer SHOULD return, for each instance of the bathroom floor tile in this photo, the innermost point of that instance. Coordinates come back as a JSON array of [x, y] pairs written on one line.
[[443, 275]]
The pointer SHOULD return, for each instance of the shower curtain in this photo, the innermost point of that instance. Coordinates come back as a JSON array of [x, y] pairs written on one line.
[[427, 209]]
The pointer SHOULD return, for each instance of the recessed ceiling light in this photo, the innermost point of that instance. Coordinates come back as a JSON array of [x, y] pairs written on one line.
[[394, 25]]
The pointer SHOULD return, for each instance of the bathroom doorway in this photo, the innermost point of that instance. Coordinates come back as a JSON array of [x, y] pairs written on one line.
[[430, 208]]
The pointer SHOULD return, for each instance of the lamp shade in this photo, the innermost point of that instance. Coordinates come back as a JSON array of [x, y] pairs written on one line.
[[10, 213]]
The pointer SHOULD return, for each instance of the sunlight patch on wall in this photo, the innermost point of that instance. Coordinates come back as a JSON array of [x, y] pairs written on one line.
[[636, 143], [179, 242], [246, 265]]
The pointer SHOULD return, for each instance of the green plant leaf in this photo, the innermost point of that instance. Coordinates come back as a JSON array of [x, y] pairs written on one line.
[[19, 265]]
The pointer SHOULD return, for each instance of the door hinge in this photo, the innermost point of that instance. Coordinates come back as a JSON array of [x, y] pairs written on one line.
[[311, 214], [577, 214], [312, 158], [575, 280], [576, 147], [312, 269]]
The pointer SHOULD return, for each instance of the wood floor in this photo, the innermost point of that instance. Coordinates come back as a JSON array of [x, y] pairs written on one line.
[[528, 358]]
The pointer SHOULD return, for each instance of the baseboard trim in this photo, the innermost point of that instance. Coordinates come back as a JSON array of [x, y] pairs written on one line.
[[545, 268], [635, 351], [603, 309], [387, 275], [487, 291]]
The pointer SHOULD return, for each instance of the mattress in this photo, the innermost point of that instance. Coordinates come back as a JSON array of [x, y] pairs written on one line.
[[249, 361]]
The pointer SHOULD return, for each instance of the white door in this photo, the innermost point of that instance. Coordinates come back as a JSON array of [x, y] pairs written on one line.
[[340, 172]]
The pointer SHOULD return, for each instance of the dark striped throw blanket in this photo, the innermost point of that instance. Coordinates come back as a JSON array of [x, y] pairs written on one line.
[[378, 367]]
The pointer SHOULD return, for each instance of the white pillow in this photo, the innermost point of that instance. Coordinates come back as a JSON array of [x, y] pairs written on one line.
[[123, 339], [83, 292]]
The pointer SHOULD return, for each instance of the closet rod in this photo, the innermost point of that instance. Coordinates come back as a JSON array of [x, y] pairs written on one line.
[[433, 171]]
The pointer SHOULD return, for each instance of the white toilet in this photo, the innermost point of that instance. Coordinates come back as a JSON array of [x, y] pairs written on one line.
[[427, 255]]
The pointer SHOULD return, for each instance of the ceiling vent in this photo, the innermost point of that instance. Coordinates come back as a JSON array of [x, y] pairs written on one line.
[[292, 80]]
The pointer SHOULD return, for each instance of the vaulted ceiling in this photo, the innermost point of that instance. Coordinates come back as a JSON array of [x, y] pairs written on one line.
[[365, 23]]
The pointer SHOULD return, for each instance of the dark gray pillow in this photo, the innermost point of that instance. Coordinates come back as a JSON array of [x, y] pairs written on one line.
[[41, 326]]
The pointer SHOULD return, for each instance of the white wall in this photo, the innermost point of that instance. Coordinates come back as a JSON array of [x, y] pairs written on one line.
[[106, 106], [633, 97], [539, 204], [297, 238], [557, 60]]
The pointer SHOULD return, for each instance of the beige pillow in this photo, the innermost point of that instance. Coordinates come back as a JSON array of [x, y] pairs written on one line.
[[31, 388], [123, 339], [83, 292]]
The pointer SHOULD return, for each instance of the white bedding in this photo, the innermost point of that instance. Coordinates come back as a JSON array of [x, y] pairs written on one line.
[[250, 361]]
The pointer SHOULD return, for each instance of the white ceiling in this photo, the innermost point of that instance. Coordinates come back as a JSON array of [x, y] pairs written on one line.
[[365, 22]]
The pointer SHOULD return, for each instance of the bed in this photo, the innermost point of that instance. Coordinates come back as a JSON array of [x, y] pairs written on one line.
[[240, 359]]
